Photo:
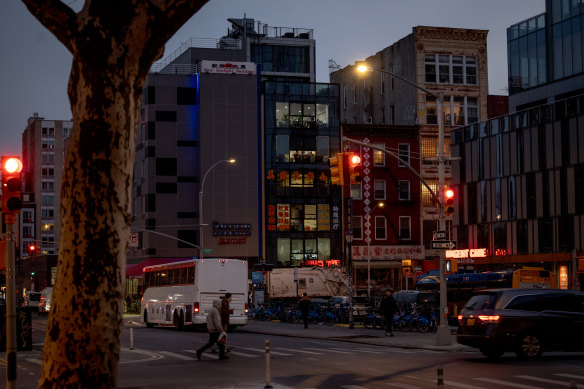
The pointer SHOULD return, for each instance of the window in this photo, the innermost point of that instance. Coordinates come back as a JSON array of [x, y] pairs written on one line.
[[302, 149], [427, 198], [405, 227], [166, 166], [429, 148], [47, 200], [282, 115], [322, 149], [356, 191], [431, 113], [404, 154], [166, 116], [358, 227], [379, 190], [404, 190], [186, 96], [380, 228], [450, 69], [48, 144], [48, 185], [472, 110], [378, 155], [48, 226], [47, 214], [310, 217], [282, 148], [48, 158]]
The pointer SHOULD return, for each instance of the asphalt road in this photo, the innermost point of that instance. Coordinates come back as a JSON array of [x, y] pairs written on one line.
[[165, 358]]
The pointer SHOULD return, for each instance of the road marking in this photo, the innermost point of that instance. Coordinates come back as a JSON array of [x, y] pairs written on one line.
[[175, 355], [151, 356], [207, 354], [263, 351], [458, 385], [512, 384], [299, 351], [243, 354], [35, 361], [353, 387], [545, 380], [329, 349], [402, 385], [578, 377]]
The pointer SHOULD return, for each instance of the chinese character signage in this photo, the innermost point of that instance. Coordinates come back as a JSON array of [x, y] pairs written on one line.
[[388, 252], [271, 217], [336, 222], [324, 217], [283, 217]]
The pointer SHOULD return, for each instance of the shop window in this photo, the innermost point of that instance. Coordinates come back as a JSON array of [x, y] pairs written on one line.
[[283, 250]]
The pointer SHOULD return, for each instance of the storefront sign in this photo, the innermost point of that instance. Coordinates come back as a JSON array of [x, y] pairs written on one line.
[[283, 217], [325, 263], [323, 214], [220, 229], [271, 218], [468, 253], [388, 252], [224, 67], [564, 277]]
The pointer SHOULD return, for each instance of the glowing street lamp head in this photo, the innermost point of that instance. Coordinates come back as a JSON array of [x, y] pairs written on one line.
[[363, 68], [232, 160]]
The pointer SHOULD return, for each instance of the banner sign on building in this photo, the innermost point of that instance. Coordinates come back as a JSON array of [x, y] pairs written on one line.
[[224, 67], [388, 252], [324, 217], [283, 217]]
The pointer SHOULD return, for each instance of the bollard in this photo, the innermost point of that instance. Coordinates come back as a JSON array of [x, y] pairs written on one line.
[[268, 378], [131, 338], [440, 376]]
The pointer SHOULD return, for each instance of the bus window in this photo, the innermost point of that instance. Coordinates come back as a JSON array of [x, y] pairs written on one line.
[[191, 275]]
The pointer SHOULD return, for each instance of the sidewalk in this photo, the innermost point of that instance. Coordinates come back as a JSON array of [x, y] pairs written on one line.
[[359, 335]]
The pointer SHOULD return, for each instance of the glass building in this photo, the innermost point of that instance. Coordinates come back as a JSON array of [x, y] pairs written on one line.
[[303, 215]]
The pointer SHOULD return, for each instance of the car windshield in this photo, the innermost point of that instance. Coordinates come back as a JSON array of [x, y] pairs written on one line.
[[481, 302]]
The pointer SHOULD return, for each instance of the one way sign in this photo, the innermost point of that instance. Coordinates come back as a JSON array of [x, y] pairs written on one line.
[[443, 244]]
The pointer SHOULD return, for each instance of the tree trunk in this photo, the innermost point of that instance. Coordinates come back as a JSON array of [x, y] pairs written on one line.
[[114, 43], [83, 334]]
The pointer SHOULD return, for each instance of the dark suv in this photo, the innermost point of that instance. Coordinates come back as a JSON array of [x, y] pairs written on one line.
[[526, 321]]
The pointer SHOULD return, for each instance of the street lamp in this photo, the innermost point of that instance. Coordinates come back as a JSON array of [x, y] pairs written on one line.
[[443, 337], [369, 212], [201, 251]]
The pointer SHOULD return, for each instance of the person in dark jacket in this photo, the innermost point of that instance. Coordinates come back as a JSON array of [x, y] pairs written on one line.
[[225, 311], [304, 306], [388, 307]]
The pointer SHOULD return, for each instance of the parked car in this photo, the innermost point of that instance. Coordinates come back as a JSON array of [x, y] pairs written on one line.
[[45, 300], [31, 299], [361, 305], [526, 321]]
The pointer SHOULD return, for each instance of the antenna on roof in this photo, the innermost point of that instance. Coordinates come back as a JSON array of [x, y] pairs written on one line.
[[333, 67]]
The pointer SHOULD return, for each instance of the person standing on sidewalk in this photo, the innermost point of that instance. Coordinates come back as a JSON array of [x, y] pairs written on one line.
[[304, 306], [215, 330], [387, 307]]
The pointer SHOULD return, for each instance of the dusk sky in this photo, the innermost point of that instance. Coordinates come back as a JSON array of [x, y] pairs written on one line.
[[35, 66]]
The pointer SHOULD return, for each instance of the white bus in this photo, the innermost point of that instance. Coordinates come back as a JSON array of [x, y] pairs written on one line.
[[182, 293]]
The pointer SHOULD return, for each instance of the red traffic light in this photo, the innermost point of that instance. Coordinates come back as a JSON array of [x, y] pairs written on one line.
[[448, 193], [449, 202], [31, 248], [355, 160], [11, 184]]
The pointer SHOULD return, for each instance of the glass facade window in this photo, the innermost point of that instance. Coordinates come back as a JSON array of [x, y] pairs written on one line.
[[450, 69], [429, 148], [274, 58], [427, 199]]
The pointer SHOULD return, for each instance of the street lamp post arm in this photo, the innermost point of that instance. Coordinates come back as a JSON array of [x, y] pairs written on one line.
[[168, 236], [406, 81]]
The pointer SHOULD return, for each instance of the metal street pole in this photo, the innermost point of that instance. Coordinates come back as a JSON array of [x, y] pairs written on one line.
[[369, 252], [10, 304], [443, 337], [201, 250]]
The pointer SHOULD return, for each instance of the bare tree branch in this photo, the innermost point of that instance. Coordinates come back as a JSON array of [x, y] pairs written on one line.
[[57, 17]]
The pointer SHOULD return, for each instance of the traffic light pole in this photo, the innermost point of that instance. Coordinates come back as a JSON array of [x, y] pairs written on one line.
[[10, 303]]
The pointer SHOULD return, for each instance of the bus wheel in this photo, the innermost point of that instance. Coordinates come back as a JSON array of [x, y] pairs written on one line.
[[178, 321], [148, 325]]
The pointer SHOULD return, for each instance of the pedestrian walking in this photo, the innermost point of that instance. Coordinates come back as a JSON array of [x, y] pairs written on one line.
[[225, 311], [215, 331], [388, 307], [304, 306]]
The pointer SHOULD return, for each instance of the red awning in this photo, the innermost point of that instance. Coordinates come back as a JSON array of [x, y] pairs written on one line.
[[136, 270]]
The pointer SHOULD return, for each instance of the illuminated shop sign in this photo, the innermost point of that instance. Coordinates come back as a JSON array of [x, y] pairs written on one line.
[[224, 67], [220, 229], [388, 252], [326, 263]]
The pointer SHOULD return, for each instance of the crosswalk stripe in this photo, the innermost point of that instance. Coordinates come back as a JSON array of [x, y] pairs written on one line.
[[459, 385], [402, 385], [545, 380], [512, 384], [329, 349], [175, 355], [35, 361], [214, 356], [263, 351], [578, 377], [300, 351], [242, 354]]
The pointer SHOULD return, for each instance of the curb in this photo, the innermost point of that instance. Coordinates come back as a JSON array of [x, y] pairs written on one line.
[[454, 347]]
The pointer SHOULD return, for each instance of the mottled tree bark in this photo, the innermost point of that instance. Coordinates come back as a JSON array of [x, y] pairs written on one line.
[[114, 43]]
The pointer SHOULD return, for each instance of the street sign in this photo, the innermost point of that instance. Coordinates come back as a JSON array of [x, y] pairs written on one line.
[[439, 235], [443, 244], [133, 240], [207, 251]]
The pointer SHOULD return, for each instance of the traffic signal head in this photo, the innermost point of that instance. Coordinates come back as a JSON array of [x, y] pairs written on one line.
[[31, 249], [448, 202], [355, 168], [337, 174], [11, 185], [450, 265]]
